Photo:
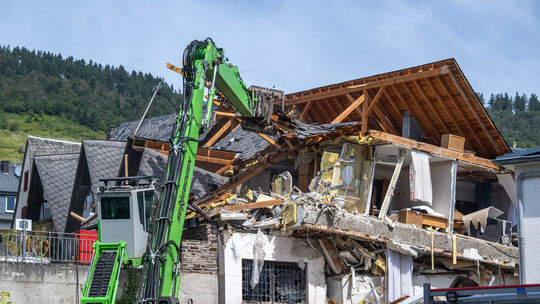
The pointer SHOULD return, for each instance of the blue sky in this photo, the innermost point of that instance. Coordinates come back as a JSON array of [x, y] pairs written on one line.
[[294, 45]]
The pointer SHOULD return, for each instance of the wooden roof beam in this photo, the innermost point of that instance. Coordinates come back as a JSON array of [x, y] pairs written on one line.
[[218, 134], [459, 110], [428, 102], [384, 120], [375, 100], [395, 108], [305, 111], [351, 100], [453, 117], [413, 144], [423, 123], [214, 160], [269, 140], [370, 85], [469, 105], [349, 109]]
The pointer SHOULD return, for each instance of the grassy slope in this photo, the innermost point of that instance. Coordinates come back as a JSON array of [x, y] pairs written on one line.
[[55, 127]]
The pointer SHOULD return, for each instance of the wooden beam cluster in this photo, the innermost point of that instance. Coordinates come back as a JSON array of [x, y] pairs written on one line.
[[354, 105], [437, 95], [292, 100], [413, 144]]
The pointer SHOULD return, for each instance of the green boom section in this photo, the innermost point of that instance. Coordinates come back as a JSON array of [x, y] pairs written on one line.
[[162, 268], [162, 260]]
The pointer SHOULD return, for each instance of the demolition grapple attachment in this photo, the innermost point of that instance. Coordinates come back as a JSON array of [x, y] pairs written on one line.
[[265, 100]]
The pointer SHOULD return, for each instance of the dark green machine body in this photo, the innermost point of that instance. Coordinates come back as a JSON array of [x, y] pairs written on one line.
[[203, 63]]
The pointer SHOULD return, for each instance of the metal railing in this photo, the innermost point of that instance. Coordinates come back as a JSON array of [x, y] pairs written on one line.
[[44, 247]]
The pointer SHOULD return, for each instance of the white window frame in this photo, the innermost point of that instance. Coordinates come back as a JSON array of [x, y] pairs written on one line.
[[6, 204]]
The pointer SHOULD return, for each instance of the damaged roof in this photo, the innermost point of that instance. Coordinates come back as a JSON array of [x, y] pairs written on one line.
[[154, 164], [244, 142], [437, 95], [154, 128], [57, 174]]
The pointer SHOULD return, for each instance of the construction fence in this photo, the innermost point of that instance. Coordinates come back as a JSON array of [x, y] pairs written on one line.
[[18, 246]]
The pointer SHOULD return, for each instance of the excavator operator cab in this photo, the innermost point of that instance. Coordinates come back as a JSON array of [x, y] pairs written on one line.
[[125, 210]]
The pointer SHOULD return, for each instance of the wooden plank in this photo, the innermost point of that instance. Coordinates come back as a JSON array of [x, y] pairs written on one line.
[[395, 109], [370, 85], [365, 116], [413, 144], [213, 160], [386, 122], [256, 205], [430, 106], [223, 169], [227, 114], [304, 111], [349, 109], [218, 134], [375, 100], [446, 89], [351, 100], [174, 68], [235, 181], [332, 109], [408, 108], [475, 113], [268, 139], [393, 181], [452, 115], [427, 118]]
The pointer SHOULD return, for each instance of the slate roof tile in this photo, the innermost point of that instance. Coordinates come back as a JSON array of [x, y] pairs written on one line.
[[154, 128], [155, 164], [104, 158], [57, 173]]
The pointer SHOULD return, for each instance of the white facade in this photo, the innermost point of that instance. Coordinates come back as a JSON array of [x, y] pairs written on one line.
[[530, 239], [279, 249]]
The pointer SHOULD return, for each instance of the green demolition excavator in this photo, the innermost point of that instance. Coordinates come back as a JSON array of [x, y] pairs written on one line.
[[205, 70]]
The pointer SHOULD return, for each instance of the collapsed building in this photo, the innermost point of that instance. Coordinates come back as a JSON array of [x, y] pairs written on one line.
[[371, 188]]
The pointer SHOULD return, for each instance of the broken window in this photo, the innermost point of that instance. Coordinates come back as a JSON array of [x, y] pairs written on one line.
[[279, 282]]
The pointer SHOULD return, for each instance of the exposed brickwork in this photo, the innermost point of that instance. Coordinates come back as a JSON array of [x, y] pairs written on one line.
[[199, 250]]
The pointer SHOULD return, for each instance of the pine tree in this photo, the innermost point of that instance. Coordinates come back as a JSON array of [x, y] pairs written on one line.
[[534, 103]]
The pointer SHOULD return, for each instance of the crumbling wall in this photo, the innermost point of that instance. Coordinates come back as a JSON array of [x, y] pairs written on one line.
[[199, 280], [372, 229]]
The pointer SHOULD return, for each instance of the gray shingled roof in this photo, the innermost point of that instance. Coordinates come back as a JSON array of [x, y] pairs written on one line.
[[154, 163], [45, 146], [244, 142], [9, 182], [104, 158], [527, 155], [57, 174], [160, 129], [154, 128]]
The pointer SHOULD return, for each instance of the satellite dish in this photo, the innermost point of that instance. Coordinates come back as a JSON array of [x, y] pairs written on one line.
[[18, 171], [347, 175]]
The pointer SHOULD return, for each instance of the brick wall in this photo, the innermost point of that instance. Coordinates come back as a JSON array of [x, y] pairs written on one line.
[[199, 250]]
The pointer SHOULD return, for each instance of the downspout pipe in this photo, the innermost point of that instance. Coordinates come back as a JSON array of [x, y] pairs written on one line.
[[521, 238]]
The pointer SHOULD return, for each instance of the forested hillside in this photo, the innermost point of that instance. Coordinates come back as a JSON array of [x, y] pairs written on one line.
[[86, 93], [517, 117], [45, 94]]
